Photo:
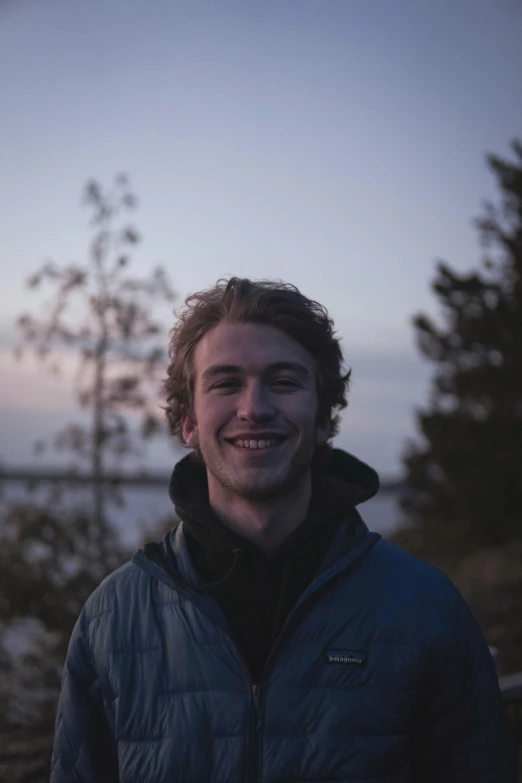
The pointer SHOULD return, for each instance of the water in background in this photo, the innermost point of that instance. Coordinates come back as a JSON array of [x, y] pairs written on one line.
[[145, 507]]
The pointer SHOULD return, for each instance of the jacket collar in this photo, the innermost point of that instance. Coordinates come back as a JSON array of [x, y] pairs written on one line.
[[170, 561], [340, 482]]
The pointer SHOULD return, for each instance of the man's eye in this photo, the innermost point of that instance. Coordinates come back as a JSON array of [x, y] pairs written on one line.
[[285, 382], [225, 384]]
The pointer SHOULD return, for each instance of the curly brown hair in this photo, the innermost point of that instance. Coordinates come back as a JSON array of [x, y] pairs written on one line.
[[270, 302]]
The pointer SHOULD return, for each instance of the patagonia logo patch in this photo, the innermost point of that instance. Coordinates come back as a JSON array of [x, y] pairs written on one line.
[[353, 657]]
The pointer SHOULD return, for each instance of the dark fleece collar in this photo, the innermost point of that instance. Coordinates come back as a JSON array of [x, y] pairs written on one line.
[[340, 481]]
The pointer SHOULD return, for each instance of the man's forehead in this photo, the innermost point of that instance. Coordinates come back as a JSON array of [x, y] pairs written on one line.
[[250, 348]]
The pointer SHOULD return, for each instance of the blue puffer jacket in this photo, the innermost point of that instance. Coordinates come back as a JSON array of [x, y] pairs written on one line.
[[380, 675]]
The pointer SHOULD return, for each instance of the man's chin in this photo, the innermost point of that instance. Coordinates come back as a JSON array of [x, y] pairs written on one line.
[[263, 487]]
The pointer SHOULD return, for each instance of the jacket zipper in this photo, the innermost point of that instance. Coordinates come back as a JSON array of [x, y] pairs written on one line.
[[255, 720], [255, 725], [254, 737]]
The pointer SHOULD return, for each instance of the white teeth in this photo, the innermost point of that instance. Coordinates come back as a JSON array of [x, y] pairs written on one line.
[[256, 444]]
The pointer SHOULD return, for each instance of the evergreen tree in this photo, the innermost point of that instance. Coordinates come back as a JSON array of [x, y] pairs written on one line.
[[463, 500]]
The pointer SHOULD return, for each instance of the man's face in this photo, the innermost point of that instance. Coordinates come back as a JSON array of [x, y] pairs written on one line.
[[254, 416]]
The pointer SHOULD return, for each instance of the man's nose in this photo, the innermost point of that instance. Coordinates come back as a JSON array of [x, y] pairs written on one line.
[[255, 403]]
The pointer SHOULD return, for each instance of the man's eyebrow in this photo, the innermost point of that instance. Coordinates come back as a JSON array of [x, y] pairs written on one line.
[[221, 369], [296, 367]]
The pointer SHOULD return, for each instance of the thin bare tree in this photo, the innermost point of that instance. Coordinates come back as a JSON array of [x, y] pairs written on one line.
[[106, 318]]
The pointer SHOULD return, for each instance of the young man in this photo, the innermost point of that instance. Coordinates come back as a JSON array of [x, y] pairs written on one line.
[[271, 637]]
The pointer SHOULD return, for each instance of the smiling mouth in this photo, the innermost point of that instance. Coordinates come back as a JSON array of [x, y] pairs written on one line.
[[261, 444]]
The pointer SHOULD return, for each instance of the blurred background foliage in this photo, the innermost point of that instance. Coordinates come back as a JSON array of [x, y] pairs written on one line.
[[462, 502], [50, 561], [107, 318]]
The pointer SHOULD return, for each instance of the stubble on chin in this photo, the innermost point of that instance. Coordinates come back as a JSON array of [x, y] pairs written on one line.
[[234, 481], [260, 488]]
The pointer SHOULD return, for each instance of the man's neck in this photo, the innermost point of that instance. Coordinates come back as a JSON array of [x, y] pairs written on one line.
[[266, 524]]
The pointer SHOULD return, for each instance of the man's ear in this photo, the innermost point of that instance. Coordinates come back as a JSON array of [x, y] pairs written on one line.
[[323, 433], [189, 428]]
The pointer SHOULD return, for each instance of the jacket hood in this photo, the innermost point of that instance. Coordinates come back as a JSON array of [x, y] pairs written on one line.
[[340, 482], [333, 471]]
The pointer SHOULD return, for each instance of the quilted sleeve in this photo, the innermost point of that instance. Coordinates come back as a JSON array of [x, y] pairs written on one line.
[[84, 750], [462, 732]]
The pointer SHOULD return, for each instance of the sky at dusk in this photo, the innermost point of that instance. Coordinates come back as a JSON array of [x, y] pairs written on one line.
[[335, 144]]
